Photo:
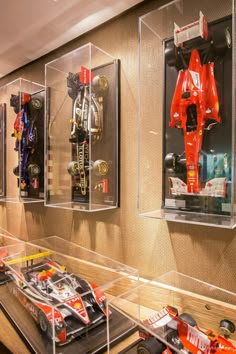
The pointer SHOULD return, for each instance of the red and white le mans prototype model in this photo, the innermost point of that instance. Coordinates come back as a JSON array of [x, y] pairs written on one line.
[[63, 304]]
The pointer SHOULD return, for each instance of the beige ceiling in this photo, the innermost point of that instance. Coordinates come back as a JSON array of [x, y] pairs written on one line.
[[32, 28]]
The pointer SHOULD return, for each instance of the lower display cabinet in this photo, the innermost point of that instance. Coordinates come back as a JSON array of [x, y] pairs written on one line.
[[7, 242], [58, 296], [179, 314]]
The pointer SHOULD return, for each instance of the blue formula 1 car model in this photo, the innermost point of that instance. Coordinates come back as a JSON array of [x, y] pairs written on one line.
[[28, 132]]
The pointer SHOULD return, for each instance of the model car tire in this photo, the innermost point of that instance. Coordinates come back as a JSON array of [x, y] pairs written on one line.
[[16, 171], [221, 41], [33, 170], [73, 168], [173, 339], [44, 324], [151, 346], [100, 168], [37, 103], [172, 57], [100, 85], [170, 161], [226, 328], [186, 317]]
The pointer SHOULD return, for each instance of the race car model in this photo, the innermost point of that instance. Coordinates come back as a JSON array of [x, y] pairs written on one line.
[[86, 129], [4, 253], [195, 103], [28, 143], [182, 333], [56, 298]]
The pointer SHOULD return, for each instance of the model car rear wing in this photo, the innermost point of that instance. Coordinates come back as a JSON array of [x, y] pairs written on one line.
[[195, 29], [29, 258]]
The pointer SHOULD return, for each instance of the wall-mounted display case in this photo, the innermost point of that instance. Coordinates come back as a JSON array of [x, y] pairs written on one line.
[[82, 130], [22, 141], [177, 313], [62, 291], [187, 113]]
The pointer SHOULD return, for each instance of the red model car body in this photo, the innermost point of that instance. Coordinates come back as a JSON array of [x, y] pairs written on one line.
[[4, 252], [193, 339], [195, 101]]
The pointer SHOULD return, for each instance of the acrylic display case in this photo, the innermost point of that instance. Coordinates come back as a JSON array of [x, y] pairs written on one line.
[[187, 113], [7, 241], [181, 313], [22, 141], [62, 291], [2, 149], [82, 130]]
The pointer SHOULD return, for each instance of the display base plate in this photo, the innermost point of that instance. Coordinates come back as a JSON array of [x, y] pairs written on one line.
[[94, 341]]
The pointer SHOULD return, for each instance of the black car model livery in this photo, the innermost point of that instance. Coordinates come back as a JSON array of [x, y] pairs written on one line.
[[87, 92]]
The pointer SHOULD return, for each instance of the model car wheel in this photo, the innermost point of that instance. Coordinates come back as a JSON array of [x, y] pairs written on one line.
[[221, 41], [16, 171], [100, 168], [226, 328], [73, 168], [33, 170], [36, 103], [44, 324], [151, 346], [100, 85], [186, 317], [172, 57], [170, 161], [173, 339]]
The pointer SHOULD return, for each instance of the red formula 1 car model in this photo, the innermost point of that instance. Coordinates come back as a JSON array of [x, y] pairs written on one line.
[[86, 130], [195, 103], [183, 334], [72, 305]]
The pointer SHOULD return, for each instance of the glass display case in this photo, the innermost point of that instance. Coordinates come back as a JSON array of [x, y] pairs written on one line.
[[187, 113], [7, 240], [62, 292], [82, 130], [2, 149], [22, 141], [180, 314]]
